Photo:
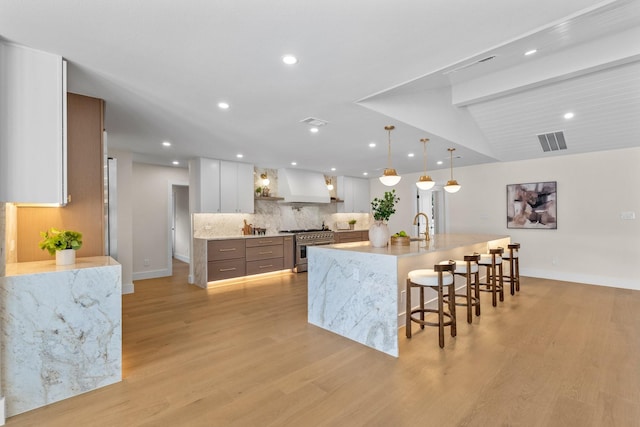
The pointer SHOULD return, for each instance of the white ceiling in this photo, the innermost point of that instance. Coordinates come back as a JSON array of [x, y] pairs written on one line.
[[163, 66]]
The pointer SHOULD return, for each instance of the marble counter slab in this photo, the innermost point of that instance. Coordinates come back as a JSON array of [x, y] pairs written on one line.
[[61, 330], [243, 236], [356, 290]]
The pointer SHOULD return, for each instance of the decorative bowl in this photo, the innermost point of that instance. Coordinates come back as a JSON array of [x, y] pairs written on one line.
[[400, 241]]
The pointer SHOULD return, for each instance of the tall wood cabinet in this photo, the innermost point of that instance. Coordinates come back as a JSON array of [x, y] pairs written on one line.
[[85, 210]]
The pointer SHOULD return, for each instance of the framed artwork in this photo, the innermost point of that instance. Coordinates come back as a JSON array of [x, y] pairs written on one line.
[[532, 205]]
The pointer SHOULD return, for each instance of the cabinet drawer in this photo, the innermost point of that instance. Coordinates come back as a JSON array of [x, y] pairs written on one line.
[[218, 270], [225, 249], [264, 266], [265, 252], [264, 241]]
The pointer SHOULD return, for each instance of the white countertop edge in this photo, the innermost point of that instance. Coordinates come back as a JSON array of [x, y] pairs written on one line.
[[49, 266]]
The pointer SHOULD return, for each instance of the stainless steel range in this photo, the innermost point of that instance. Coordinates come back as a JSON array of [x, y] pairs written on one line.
[[305, 238]]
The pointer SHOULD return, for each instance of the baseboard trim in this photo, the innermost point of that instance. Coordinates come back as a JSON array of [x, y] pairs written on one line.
[[151, 274], [128, 288], [182, 258]]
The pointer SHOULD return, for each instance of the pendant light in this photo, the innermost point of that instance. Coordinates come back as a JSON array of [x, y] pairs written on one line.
[[389, 176], [452, 185], [425, 182]]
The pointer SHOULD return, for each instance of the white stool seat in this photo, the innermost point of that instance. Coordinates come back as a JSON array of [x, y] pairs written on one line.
[[487, 259], [461, 266], [507, 255], [429, 277]]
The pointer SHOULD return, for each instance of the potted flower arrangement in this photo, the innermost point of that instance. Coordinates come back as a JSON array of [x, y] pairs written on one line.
[[352, 223], [382, 211], [62, 243]]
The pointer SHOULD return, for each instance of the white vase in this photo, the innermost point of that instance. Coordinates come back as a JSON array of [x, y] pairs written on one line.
[[379, 234], [66, 257]]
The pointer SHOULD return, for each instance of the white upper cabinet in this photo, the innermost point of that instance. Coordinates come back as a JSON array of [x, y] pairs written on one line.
[[218, 186], [236, 187], [355, 195], [204, 185], [33, 121]]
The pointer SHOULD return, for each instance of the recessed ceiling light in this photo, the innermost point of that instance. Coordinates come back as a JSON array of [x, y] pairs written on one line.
[[365, 173], [289, 59], [175, 162], [569, 115], [372, 144], [314, 130], [439, 162], [223, 105], [239, 155], [333, 169], [166, 143], [410, 155], [294, 163], [530, 52]]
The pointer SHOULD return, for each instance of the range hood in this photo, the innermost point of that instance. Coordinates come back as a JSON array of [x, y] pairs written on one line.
[[300, 186]]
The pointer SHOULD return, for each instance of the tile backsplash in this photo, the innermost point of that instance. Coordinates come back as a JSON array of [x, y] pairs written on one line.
[[274, 217]]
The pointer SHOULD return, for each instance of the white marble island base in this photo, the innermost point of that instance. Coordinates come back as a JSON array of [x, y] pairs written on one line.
[[356, 291], [61, 330]]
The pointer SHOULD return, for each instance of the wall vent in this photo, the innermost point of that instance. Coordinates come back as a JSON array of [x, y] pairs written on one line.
[[552, 141], [312, 121], [470, 64]]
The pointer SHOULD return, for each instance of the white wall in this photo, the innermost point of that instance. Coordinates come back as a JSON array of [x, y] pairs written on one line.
[[592, 243], [151, 197]]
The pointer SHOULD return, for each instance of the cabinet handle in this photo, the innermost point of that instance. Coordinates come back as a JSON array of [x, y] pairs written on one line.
[[266, 266], [227, 250], [265, 241], [265, 253], [227, 269]]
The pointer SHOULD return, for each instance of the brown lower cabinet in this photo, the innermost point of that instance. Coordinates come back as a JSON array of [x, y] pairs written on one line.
[[229, 258], [351, 236]]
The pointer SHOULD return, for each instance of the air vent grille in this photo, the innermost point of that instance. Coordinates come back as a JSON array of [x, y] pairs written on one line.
[[312, 121], [552, 141]]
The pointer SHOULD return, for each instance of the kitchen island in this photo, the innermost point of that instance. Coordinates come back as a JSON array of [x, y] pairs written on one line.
[[62, 330], [357, 291]]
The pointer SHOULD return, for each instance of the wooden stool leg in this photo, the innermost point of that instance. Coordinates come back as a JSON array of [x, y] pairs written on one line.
[[422, 306], [408, 309], [469, 301], [517, 265], [477, 289], [512, 275], [440, 311], [452, 308], [494, 285], [500, 272]]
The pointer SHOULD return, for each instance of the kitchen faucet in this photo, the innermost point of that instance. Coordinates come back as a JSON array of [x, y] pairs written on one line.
[[415, 222]]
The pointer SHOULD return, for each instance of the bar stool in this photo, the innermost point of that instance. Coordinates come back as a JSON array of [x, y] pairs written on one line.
[[493, 265], [468, 269], [513, 261], [435, 279]]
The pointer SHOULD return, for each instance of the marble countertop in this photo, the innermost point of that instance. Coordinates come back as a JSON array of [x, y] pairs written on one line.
[[36, 267], [439, 242]]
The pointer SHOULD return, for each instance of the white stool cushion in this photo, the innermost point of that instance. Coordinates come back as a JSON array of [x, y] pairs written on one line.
[[507, 255], [486, 259], [429, 277], [461, 266]]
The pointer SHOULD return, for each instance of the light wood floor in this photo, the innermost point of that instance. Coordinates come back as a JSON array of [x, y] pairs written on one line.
[[557, 354]]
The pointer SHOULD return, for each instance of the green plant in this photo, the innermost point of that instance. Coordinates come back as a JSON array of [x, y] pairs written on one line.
[[58, 240], [384, 208], [258, 190], [352, 221]]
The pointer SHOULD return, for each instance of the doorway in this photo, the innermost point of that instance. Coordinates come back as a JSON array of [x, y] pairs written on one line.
[[432, 203], [180, 224]]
